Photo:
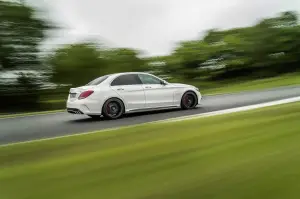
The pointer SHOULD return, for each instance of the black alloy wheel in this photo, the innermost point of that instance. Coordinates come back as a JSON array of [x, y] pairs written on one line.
[[189, 100], [113, 109]]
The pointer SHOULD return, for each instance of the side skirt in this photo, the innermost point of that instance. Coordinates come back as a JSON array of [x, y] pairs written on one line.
[[151, 109]]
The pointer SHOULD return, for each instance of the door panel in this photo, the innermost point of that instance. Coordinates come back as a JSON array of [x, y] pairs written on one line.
[[130, 89], [133, 96], [158, 95]]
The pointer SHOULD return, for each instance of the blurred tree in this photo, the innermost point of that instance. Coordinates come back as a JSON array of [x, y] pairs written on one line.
[[188, 57], [270, 47], [77, 64], [123, 60], [276, 41], [21, 32]]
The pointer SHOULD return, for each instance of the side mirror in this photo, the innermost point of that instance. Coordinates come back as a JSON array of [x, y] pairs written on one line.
[[163, 83]]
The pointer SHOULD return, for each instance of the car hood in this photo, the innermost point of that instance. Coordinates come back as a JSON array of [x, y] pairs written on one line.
[[180, 85]]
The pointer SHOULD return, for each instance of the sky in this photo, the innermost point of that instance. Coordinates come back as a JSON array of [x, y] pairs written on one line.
[[152, 26]]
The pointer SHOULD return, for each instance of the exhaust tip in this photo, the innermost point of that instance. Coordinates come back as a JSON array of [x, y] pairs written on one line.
[[74, 111]]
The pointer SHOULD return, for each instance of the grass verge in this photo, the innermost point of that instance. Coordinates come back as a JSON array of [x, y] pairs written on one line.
[[253, 154], [30, 114], [238, 86]]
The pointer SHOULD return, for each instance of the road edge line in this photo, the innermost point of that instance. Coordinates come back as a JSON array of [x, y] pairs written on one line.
[[233, 110]]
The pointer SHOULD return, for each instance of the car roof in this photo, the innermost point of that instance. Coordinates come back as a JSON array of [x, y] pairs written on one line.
[[126, 73], [112, 76]]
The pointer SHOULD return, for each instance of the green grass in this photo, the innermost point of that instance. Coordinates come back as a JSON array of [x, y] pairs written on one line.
[[238, 86], [245, 155], [30, 114]]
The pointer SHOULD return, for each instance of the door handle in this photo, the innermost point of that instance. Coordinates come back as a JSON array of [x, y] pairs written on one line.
[[148, 87], [120, 89]]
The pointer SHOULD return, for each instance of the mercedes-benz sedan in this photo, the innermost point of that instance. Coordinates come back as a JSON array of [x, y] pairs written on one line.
[[116, 94]]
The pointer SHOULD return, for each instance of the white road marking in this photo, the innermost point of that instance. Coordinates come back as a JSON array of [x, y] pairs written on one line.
[[233, 110], [196, 116]]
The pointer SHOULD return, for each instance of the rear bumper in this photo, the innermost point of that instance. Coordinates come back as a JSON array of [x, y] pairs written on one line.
[[85, 107], [74, 111]]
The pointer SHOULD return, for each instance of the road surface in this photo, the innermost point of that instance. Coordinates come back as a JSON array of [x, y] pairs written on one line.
[[47, 126]]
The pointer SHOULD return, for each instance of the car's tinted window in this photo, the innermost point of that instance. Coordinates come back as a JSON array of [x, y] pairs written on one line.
[[130, 79], [97, 81], [148, 79]]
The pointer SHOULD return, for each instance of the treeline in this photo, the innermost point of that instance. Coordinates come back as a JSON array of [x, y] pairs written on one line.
[[268, 48]]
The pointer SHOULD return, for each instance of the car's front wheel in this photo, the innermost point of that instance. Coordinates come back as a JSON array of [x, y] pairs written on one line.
[[113, 109], [189, 100]]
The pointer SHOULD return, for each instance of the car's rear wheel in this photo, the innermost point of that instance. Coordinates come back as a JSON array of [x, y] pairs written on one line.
[[189, 100], [113, 109]]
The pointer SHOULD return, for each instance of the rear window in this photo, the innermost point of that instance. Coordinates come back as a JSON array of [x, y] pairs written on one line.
[[98, 81]]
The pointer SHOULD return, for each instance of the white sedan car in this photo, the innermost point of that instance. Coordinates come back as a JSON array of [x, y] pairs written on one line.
[[116, 94]]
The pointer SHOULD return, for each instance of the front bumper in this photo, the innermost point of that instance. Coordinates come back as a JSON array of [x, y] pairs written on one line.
[[199, 97]]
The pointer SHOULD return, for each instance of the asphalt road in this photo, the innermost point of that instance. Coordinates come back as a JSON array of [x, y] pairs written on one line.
[[58, 124]]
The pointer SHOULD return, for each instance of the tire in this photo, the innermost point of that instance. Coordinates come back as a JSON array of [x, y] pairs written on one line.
[[113, 109], [189, 100]]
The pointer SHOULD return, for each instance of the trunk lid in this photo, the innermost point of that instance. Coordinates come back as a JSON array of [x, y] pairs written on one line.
[[75, 92]]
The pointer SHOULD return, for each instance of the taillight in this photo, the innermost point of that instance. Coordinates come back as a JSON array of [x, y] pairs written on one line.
[[85, 94]]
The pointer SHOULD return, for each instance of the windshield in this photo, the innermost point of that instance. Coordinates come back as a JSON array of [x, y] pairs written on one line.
[[97, 81]]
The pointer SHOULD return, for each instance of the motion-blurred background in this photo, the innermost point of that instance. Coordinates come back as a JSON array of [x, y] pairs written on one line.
[[46, 47]]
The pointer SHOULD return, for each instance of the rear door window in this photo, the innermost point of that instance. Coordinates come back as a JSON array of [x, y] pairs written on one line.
[[130, 79]]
